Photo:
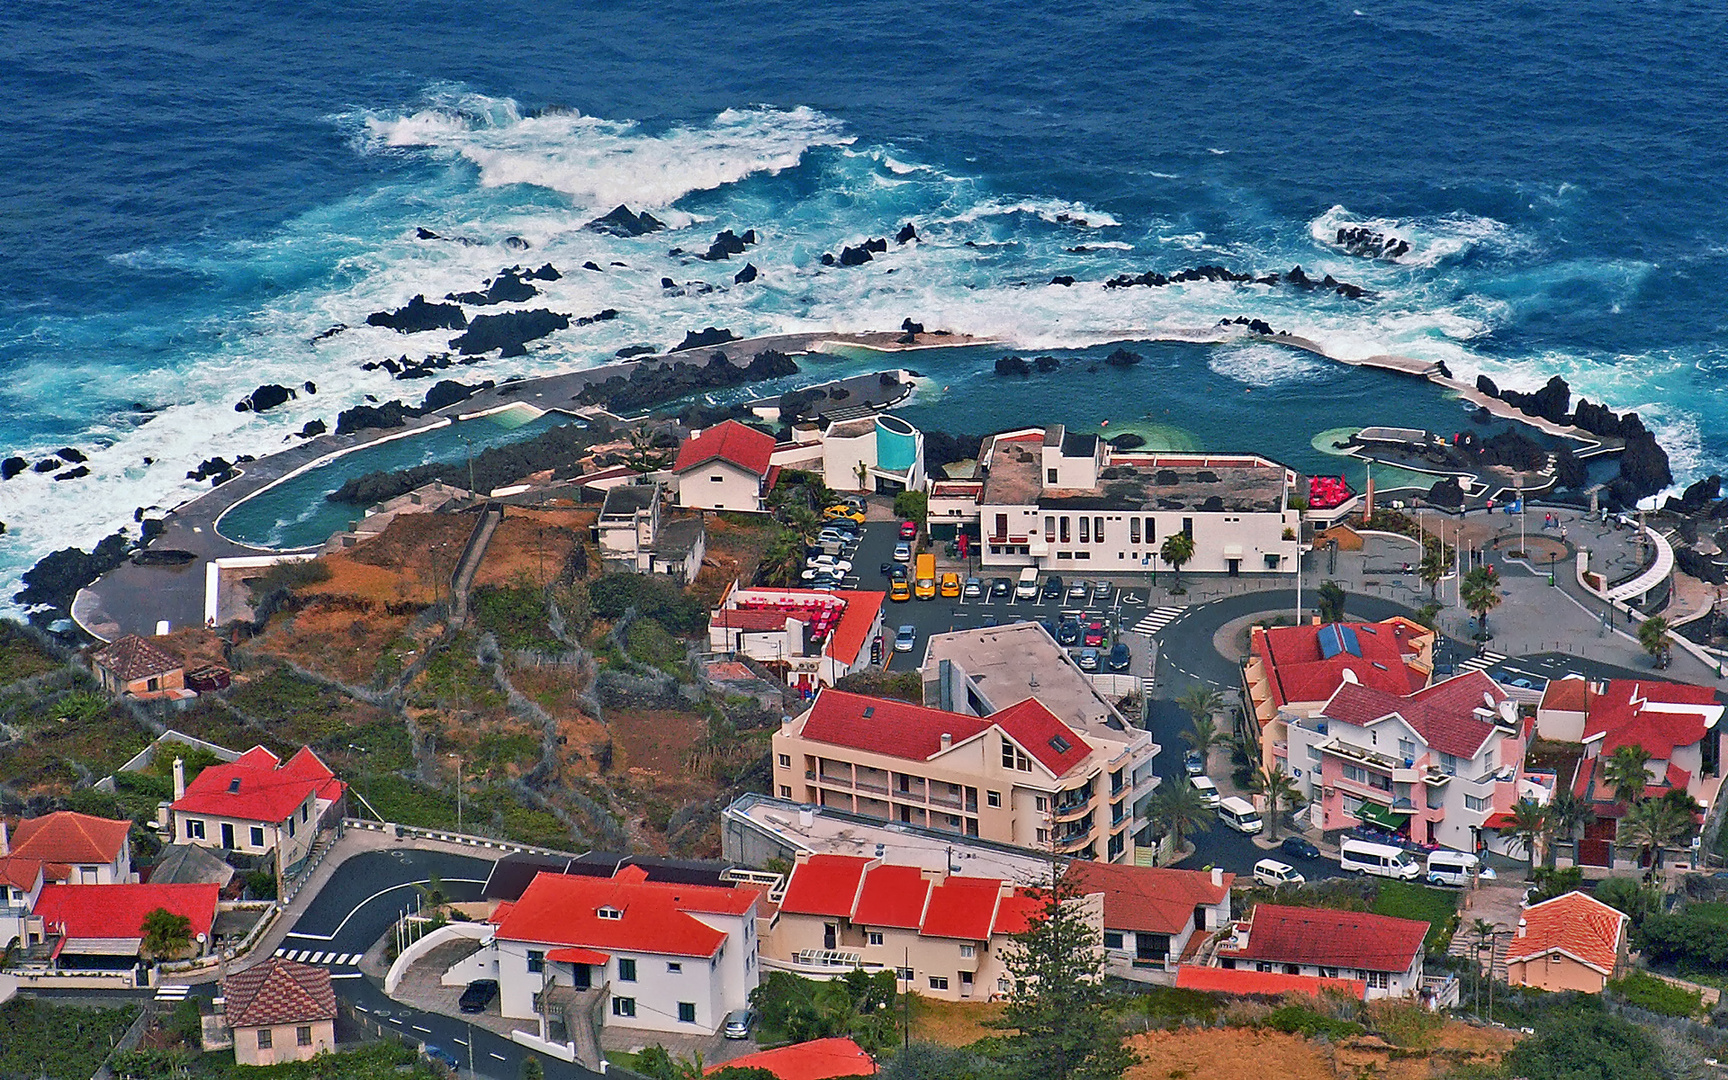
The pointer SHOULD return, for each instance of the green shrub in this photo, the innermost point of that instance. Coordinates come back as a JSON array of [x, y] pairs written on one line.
[[1301, 1020], [611, 595], [516, 616], [1408, 900], [1580, 1041], [41, 1038], [1648, 992], [649, 643]]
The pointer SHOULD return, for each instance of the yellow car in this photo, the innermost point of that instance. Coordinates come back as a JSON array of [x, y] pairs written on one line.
[[843, 511], [950, 587], [898, 589]]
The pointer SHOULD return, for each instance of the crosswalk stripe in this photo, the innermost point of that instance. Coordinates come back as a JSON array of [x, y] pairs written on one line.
[[1477, 663], [1157, 619], [281, 952], [323, 958]]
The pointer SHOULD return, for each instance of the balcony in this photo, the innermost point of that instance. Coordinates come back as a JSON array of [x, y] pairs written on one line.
[[1073, 838], [1068, 811], [1342, 749], [865, 785]]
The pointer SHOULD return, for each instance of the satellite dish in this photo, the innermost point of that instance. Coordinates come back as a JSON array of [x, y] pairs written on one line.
[[202, 939]]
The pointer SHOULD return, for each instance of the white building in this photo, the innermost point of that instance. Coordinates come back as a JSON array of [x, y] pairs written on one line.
[[257, 804], [1069, 502], [634, 536], [1379, 950], [75, 849], [877, 452], [725, 467], [816, 638], [668, 957]]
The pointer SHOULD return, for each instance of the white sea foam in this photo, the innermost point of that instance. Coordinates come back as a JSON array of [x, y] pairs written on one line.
[[1051, 210], [1432, 240], [1261, 365]]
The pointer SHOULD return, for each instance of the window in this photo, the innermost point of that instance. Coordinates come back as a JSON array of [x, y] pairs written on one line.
[[610, 912], [938, 982], [1379, 980], [1448, 764], [1082, 554], [785, 761], [1050, 476], [1113, 939], [306, 812], [1040, 803], [536, 961], [194, 828], [1062, 527], [1049, 528], [1098, 529], [1262, 965], [303, 1036], [623, 1006], [1356, 774], [967, 952], [713, 480], [290, 824], [903, 974], [676, 968], [1015, 758], [1133, 530], [785, 792], [1407, 748], [1188, 527], [626, 969], [1313, 751], [257, 836], [264, 1039], [686, 1012], [873, 937], [993, 798], [1043, 836], [1085, 530], [1151, 531], [1471, 802]]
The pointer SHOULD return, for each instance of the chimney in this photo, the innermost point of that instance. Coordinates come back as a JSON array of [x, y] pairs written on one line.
[[1217, 877], [179, 779], [947, 740], [1523, 927]]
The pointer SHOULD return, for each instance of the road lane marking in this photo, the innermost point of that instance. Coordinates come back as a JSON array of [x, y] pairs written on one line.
[[417, 1027], [500, 1057], [347, 975], [356, 908]]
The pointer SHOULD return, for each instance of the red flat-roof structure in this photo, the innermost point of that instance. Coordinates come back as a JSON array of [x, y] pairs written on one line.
[[1263, 983], [819, 1059]]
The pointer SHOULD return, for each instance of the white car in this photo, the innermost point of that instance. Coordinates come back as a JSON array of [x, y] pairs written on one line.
[[830, 562], [1274, 873], [1207, 789]]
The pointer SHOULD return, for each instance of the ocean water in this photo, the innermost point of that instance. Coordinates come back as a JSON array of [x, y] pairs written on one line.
[[192, 194]]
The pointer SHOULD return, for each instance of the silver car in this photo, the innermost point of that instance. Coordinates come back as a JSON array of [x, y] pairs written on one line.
[[738, 1023]]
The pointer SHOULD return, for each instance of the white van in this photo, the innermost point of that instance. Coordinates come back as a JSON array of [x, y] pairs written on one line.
[[1456, 868], [1381, 860], [1239, 814], [1027, 589], [1274, 873]]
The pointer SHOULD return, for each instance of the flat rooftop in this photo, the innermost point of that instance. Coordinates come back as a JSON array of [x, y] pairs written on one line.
[[1016, 471], [1012, 663], [1223, 484], [831, 832]]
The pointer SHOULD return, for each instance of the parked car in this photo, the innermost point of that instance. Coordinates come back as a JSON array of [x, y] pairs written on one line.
[[950, 586], [1088, 659], [843, 511], [1077, 592], [1095, 635], [1001, 586], [1274, 873], [1119, 657], [1207, 789], [1193, 763], [738, 1023], [440, 1056], [905, 638], [1299, 847], [1102, 591], [478, 995], [1052, 588], [908, 530], [974, 588], [903, 552], [1068, 633]]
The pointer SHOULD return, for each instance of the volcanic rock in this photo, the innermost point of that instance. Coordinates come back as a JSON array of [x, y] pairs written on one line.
[[906, 234], [745, 275], [508, 332], [12, 466], [419, 314], [700, 339], [621, 222]]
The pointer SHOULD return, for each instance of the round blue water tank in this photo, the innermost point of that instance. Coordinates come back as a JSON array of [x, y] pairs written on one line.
[[896, 444]]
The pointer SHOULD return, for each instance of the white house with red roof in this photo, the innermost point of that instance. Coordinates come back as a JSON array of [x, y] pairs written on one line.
[[1677, 724], [816, 638], [667, 957], [943, 934], [1434, 765], [1154, 916], [102, 926], [1019, 775], [725, 467], [257, 804], [75, 849], [1292, 671], [1379, 950]]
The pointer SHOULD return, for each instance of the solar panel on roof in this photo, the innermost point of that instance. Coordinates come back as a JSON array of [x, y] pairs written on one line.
[[1336, 638]]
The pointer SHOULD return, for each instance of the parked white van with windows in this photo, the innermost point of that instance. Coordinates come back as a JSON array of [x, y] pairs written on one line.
[[1381, 860], [1027, 589], [1239, 814], [1456, 868], [1274, 873]]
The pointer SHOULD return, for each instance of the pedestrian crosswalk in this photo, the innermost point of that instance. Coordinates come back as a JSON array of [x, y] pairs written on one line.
[[172, 993], [1488, 658], [313, 956], [1157, 619]]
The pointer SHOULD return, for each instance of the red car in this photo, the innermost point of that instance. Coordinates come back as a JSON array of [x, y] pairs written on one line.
[[908, 530], [1094, 635]]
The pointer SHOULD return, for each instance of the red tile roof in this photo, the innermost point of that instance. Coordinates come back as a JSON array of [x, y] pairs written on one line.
[[1580, 926], [278, 991], [1057, 746], [1658, 716], [962, 907], [892, 896], [117, 911], [21, 874], [820, 1059], [131, 657], [266, 791], [1298, 671], [731, 441], [1159, 900], [847, 638], [655, 917], [1016, 912], [1328, 938], [1443, 714], [1571, 694], [1268, 983], [68, 837], [760, 621], [903, 730], [825, 885]]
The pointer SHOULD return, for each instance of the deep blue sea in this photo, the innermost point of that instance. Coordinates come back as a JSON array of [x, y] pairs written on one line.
[[190, 193]]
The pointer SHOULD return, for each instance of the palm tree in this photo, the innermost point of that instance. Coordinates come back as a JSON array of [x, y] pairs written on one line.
[[1329, 598], [1432, 568], [1653, 635], [643, 456], [1528, 825], [783, 561], [1567, 813], [1178, 548], [1623, 770], [1484, 932], [1481, 592], [1200, 701], [1653, 825], [862, 472], [1280, 790], [1202, 735], [1179, 809]]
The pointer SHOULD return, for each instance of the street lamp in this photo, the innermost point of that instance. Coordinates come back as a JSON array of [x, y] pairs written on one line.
[[365, 773], [470, 446]]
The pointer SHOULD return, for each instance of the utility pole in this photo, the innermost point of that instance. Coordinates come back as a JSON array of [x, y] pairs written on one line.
[[458, 758], [470, 447]]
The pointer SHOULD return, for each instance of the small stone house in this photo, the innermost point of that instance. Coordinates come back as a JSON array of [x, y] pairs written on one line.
[[280, 1011], [131, 665]]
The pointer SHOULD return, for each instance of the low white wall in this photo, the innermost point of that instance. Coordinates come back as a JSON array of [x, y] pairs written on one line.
[[561, 1051], [428, 942], [482, 965]]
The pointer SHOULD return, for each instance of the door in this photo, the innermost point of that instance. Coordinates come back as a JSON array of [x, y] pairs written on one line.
[[227, 836], [830, 933], [1234, 566], [580, 976]]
